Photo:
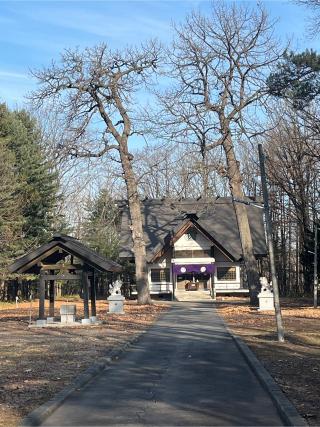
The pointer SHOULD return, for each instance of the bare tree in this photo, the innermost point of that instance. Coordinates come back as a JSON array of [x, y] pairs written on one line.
[[174, 171], [310, 119], [295, 172], [95, 92], [219, 63], [314, 20], [179, 121]]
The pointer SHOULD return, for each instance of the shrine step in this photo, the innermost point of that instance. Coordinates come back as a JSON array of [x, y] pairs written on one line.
[[181, 295]]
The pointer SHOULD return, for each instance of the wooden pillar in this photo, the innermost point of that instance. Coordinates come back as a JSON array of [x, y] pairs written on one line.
[[213, 287], [93, 295], [85, 288], [51, 297], [42, 291], [174, 281]]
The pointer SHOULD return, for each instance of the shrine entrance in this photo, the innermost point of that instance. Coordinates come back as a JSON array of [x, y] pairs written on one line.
[[64, 258], [200, 280], [192, 278]]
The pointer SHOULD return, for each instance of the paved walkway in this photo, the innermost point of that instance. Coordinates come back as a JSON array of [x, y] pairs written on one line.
[[185, 371]]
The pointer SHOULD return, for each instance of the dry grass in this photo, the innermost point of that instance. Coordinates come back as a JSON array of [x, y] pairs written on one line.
[[295, 364], [37, 363]]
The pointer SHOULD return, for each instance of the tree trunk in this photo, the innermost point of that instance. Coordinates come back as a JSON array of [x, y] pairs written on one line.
[[235, 183], [205, 180], [139, 246], [289, 249], [2, 290], [283, 252], [297, 269], [204, 170]]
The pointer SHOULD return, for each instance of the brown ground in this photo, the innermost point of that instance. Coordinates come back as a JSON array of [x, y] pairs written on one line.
[[295, 364], [37, 363]]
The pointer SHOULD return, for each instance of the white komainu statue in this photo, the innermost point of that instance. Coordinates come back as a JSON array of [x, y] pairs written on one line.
[[116, 287], [265, 286]]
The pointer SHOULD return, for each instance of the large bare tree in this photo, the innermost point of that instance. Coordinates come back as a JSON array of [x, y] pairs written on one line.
[[219, 63], [175, 171], [95, 92], [181, 122]]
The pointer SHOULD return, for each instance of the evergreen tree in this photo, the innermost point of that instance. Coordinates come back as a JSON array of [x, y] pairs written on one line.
[[38, 184], [101, 231], [11, 219], [297, 78]]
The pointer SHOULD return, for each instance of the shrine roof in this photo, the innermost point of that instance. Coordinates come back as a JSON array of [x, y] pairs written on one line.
[[57, 249], [164, 218]]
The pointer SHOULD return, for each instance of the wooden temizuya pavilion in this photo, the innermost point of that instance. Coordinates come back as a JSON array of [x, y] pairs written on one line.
[[64, 258]]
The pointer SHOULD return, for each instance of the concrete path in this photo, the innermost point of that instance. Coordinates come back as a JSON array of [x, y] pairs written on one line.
[[185, 371]]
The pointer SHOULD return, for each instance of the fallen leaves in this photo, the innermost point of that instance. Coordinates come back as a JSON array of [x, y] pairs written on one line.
[[294, 364], [37, 363]]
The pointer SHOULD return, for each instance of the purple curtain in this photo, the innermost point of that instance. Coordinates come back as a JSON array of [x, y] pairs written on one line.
[[193, 268]]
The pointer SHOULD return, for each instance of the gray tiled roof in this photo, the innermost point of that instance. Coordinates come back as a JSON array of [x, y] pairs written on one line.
[[162, 216]]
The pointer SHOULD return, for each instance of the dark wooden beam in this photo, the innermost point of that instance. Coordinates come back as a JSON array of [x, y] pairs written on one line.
[[42, 290], [51, 298], [39, 258], [85, 288], [93, 296], [60, 266], [63, 276]]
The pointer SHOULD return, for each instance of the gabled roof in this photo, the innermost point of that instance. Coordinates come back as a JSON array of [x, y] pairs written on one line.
[[189, 222], [57, 249], [162, 218]]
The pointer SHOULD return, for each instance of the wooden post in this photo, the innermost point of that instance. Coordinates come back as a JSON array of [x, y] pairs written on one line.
[[93, 295], [42, 291], [315, 267], [270, 246], [51, 297], [173, 283], [85, 287], [213, 287]]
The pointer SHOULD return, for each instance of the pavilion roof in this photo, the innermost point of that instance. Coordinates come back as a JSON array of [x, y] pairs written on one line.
[[58, 248]]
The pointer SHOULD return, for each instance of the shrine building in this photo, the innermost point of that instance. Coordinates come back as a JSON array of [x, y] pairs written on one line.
[[194, 245]]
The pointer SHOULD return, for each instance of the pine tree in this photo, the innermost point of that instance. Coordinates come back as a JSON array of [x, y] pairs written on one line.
[[11, 219], [297, 78], [38, 184], [101, 230]]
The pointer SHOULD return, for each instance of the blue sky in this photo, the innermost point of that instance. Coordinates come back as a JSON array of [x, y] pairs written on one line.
[[33, 33]]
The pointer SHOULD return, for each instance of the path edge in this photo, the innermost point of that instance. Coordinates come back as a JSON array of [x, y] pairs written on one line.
[[38, 415], [288, 412], [42, 412]]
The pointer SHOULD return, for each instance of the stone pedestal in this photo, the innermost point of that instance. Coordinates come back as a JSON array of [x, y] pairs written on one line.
[[116, 304], [50, 319], [86, 321], [68, 313], [266, 297], [41, 322]]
